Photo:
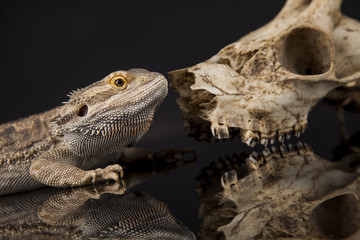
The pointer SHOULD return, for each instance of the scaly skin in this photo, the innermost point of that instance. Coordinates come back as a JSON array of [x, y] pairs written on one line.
[[86, 213], [65, 147]]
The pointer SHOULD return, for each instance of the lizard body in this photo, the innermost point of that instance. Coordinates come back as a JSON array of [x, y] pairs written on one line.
[[63, 146], [86, 213]]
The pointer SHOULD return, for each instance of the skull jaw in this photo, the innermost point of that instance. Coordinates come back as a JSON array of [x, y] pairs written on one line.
[[258, 125], [257, 110]]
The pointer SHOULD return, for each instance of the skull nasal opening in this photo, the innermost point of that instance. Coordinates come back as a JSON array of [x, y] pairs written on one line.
[[306, 51]]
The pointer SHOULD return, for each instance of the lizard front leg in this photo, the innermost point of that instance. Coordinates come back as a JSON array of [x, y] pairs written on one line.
[[59, 168], [68, 205]]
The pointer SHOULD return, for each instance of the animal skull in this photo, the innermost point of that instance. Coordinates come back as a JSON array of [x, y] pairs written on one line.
[[266, 83], [295, 194]]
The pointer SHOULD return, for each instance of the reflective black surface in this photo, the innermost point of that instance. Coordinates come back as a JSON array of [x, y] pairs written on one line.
[[294, 194], [49, 48], [102, 211]]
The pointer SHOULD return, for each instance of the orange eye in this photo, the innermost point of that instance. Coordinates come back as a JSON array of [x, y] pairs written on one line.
[[119, 82]]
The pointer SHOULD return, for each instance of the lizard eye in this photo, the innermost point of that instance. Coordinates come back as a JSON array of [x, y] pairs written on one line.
[[119, 82]]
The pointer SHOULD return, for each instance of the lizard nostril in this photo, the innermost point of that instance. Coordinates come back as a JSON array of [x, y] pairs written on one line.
[[83, 111]]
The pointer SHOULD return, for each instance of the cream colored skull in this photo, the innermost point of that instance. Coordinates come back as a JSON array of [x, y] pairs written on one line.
[[301, 196], [266, 83], [294, 194]]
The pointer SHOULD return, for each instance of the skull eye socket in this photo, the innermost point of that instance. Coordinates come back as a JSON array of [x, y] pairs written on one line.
[[337, 217], [119, 82], [306, 51]]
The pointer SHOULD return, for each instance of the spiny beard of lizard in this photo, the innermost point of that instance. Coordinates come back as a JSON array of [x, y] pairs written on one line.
[[110, 114]]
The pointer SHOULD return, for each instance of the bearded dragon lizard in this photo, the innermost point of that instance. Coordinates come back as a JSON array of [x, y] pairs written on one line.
[[66, 146]]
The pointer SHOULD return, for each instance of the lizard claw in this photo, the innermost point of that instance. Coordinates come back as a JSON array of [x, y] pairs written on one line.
[[118, 187], [110, 173]]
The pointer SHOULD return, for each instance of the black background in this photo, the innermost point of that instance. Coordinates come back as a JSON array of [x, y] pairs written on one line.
[[49, 48]]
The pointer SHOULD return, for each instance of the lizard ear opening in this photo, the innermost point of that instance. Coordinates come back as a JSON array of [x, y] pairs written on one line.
[[83, 111]]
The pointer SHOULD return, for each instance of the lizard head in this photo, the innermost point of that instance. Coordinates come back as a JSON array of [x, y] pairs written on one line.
[[110, 114]]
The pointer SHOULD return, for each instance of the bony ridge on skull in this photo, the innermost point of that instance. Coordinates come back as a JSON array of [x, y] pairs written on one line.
[[266, 83]]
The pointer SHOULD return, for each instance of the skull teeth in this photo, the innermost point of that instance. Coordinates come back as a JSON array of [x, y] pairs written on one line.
[[200, 131], [288, 136], [228, 179], [266, 152], [252, 138], [283, 148], [248, 141], [253, 144], [219, 130], [264, 141], [256, 160], [281, 138], [290, 147]]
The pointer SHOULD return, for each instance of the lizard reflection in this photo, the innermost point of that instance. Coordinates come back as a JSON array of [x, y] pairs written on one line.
[[293, 193], [101, 211]]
